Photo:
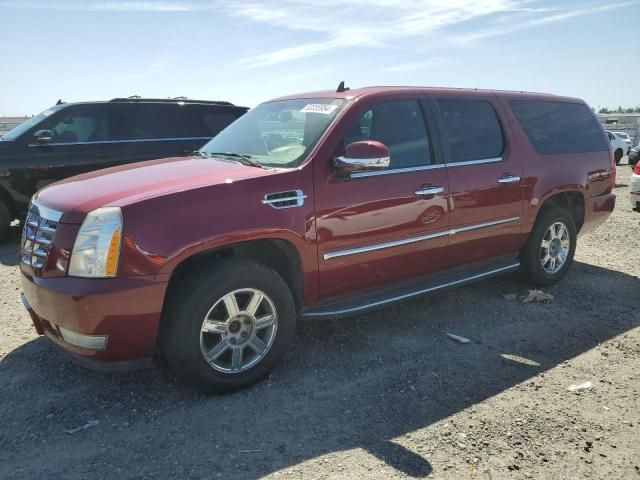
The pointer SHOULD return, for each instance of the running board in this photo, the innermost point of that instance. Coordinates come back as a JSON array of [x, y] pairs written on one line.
[[352, 304]]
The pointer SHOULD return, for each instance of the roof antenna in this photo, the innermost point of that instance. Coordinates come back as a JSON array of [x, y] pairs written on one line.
[[341, 87], [59, 102]]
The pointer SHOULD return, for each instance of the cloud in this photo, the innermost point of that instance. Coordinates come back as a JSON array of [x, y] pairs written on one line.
[[348, 24], [358, 23], [434, 62], [110, 6], [555, 16]]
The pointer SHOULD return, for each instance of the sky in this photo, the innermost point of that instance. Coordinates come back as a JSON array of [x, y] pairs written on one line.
[[249, 51]]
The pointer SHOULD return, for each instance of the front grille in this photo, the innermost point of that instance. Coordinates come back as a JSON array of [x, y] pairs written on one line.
[[37, 238]]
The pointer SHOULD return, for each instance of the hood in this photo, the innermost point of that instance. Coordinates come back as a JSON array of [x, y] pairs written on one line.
[[127, 184]]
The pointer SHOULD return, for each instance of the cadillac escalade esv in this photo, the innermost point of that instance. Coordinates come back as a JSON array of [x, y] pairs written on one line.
[[313, 206]]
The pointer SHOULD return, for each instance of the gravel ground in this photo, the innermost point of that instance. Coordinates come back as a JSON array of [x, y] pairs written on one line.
[[383, 395]]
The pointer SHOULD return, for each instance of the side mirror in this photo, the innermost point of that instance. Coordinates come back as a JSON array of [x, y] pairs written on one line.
[[364, 156], [43, 137]]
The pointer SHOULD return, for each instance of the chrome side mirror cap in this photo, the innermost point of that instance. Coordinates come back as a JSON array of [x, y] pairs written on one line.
[[363, 156]]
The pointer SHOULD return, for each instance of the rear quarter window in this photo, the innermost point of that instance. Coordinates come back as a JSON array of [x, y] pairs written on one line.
[[556, 128]]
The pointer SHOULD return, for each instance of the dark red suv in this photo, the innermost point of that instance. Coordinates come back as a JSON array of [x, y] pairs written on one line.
[[310, 206]]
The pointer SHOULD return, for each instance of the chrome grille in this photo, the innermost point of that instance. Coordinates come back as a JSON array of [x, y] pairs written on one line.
[[37, 238]]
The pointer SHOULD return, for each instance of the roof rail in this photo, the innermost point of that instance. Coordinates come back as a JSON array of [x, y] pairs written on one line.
[[137, 98]]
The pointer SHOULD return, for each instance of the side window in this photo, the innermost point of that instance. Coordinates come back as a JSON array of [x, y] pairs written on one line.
[[471, 130], [556, 128], [140, 121], [400, 126], [214, 122], [79, 125]]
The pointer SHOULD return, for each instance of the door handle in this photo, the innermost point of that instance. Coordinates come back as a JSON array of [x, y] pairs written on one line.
[[430, 191], [509, 179]]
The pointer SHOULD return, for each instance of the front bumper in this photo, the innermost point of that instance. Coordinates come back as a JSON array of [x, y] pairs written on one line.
[[597, 210], [125, 312]]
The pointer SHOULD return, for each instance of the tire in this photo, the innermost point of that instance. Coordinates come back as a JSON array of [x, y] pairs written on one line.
[[184, 343], [618, 156], [5, 221], [531, 258]]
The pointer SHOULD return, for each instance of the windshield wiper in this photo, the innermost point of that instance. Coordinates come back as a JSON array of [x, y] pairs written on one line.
[[198, 153], [241, 158]]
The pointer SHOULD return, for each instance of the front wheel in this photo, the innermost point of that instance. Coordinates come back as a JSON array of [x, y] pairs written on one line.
[[549, 251], [5, 220], [228, 324]]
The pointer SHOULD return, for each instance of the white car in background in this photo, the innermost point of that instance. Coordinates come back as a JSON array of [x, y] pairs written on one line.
[[634, 188], [618, 145], [624, 136]]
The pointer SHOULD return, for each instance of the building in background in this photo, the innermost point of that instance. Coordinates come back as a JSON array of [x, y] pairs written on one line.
[[622, 122], [9, 123]]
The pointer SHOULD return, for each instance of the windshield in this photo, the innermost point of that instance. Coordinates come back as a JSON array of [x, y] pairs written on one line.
[[278, 134], [27, 124]]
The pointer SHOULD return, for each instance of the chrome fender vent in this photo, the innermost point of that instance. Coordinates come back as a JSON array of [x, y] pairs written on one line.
[[289, 199]]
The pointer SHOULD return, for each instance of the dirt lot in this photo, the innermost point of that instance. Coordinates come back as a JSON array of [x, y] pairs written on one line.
[[383, 395]]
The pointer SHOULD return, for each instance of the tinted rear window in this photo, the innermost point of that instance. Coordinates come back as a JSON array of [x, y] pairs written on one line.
[[170, 121], [556, 128], [471, 130]]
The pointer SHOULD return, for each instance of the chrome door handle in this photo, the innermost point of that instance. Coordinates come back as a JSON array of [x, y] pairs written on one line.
[[509, 179], [430, 191]]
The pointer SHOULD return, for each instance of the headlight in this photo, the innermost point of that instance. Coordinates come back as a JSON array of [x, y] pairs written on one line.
[[97, 246]]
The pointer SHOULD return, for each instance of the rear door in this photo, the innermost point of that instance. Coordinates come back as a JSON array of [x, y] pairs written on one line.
[[382, 226], [157, 130], [485, 177]]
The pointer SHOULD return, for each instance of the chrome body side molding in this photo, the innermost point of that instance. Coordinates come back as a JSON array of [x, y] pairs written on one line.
[[421, 238]]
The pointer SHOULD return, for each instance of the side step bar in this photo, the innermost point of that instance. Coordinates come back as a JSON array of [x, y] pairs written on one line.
[[361, 302]]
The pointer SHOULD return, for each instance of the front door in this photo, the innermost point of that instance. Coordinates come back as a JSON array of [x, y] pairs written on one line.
[[77, 146], [386, 225], [485, 178]]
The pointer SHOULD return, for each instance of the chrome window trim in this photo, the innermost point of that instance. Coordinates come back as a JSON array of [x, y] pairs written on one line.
[[53, 144], [45, 212], [421, 238], [474, 162], [421, 291], [397, 170], [435, 166]]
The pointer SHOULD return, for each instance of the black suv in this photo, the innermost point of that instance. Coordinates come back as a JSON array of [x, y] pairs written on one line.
[[73, 138]]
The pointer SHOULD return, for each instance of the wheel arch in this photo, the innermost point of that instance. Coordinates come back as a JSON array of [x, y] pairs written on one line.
[[5, 198], [276, 253], [572, 200]]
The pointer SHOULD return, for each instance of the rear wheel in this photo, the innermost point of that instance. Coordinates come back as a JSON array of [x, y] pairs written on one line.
[[5, 221], [228, 324], [618, 156], [549, 251]]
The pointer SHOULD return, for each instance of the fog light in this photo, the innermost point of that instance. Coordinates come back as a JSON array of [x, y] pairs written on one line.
[[91, 342]]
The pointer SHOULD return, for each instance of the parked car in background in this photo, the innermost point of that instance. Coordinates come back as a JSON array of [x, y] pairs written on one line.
[[618, 146], [624, 136], [634, 188], [72, 138], [314, 206], [634, 155]]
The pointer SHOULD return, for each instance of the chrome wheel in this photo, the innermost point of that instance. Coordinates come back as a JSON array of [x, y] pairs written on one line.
[[554, 250], [238, 330]]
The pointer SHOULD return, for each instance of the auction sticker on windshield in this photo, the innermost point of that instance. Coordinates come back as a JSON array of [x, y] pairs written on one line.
[[325, 108]]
